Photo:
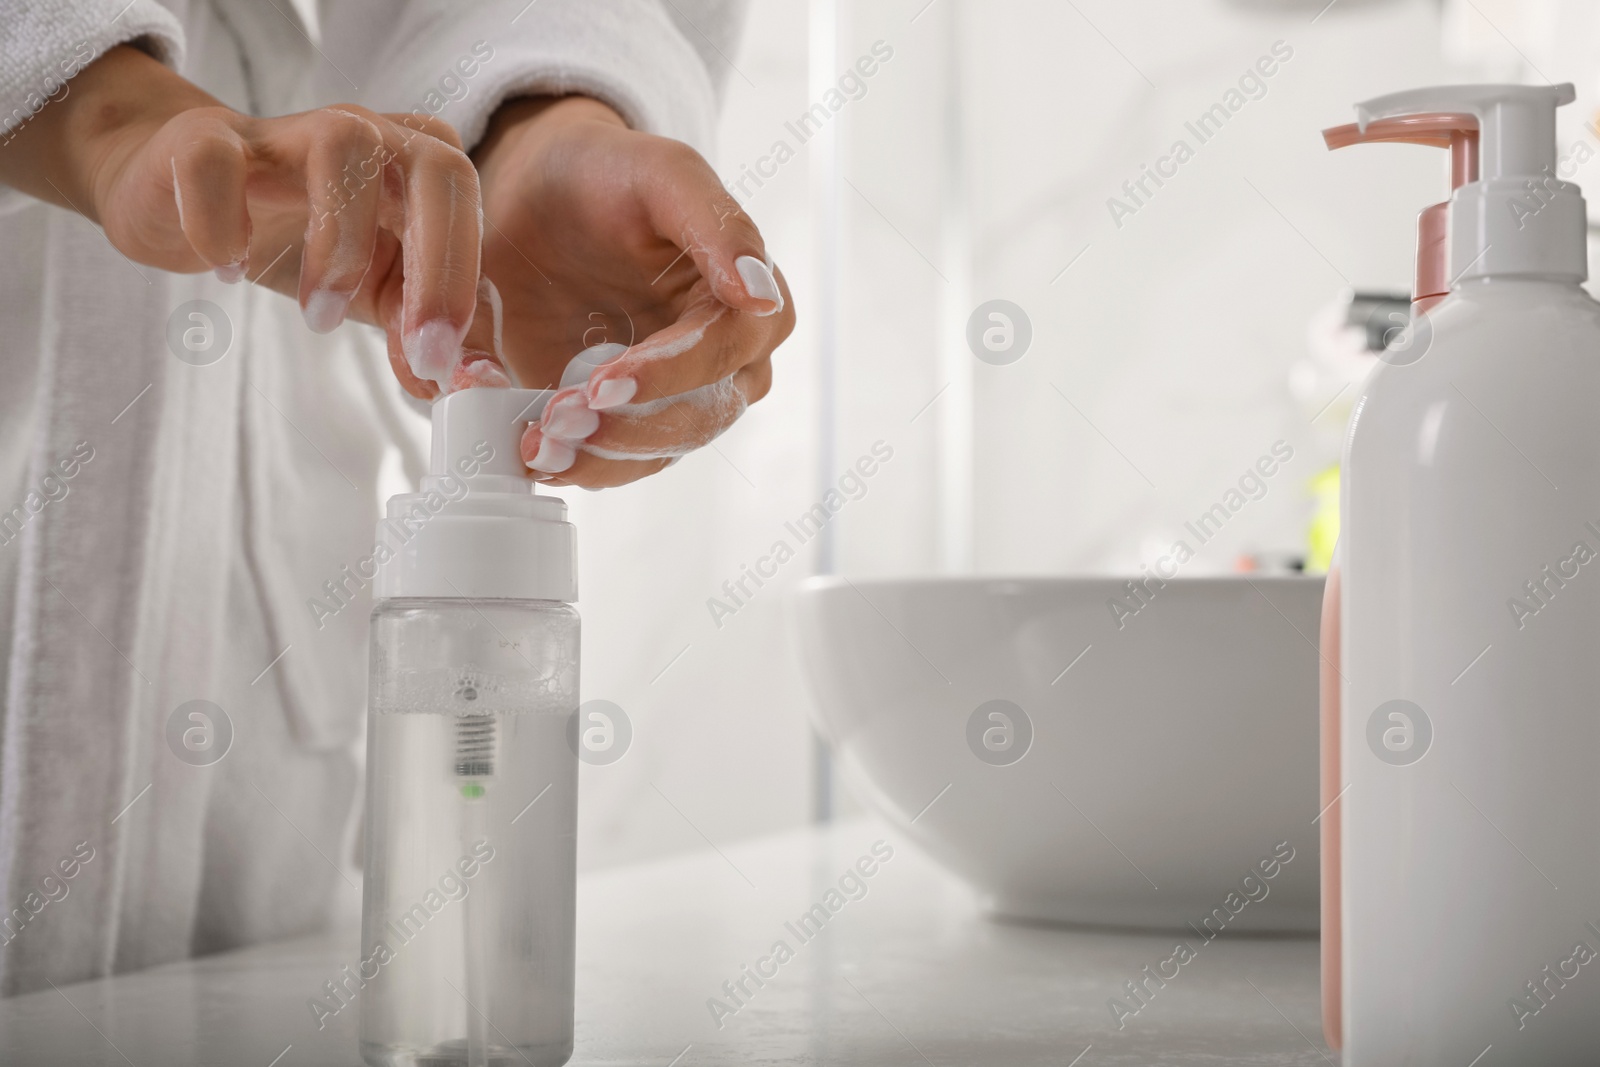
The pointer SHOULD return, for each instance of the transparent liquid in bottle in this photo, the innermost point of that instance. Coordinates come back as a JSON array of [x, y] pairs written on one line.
[[468, 909]]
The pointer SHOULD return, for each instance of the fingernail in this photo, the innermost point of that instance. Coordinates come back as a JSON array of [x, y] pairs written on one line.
[[432, 350], [611, 393], [529, 443], [325, 309], [553, 457], [759, 282], [233, 273], [570, 420]]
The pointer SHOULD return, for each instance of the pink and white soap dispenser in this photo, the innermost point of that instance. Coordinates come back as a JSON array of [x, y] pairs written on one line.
[[1462, 720]]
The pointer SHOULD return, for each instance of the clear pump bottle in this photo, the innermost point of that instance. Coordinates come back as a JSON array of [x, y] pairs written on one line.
[[468, 910]]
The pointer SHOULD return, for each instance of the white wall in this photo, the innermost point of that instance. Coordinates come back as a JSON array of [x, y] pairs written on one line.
[[1173, 334]]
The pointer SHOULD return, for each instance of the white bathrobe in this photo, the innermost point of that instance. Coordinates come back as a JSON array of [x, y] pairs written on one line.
[[163, 525]]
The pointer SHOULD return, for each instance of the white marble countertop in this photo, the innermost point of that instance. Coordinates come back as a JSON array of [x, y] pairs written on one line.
[[908, 974]]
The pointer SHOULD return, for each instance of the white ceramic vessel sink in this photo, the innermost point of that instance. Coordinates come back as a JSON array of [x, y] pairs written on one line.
[[1169, 757]]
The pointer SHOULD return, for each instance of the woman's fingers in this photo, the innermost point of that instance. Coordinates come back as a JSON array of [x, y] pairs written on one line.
[[481, 363], [676, 425], [375, 187], [739, 309], [550, 446], [209, 169], [661, 399], [344, 191], [354, 213], [688, 205], [442, 239], [709, 342], [389, 310], [574, 444], [591, 472], [413, 123], [553, 461], [679, 388], [417, 387]]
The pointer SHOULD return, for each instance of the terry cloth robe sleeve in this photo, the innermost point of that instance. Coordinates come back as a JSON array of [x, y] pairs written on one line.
[[661, 65]]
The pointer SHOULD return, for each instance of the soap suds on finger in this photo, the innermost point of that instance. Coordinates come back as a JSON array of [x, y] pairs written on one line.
[[488, 292], [722, 400], [344, 263], [613, 393], [615, 454], [679, 338], [570, 419], [177, 191], [553, 456], [714, 408], [432, 351], [480, 373]]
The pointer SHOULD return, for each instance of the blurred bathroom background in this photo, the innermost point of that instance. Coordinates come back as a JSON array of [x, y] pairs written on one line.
[[1171, 345]]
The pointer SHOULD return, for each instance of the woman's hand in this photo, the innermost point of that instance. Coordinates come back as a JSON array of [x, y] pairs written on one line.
[[353, 213], [600, 235]]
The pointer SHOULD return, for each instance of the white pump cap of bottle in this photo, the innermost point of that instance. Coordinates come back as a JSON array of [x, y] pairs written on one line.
[[1518, 218], [476, 529]]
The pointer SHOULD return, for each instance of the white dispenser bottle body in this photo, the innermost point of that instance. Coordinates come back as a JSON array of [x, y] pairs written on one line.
[[1470, 726]]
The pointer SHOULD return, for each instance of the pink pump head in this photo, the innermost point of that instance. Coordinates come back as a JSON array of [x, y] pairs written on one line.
[[1459, 133]]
